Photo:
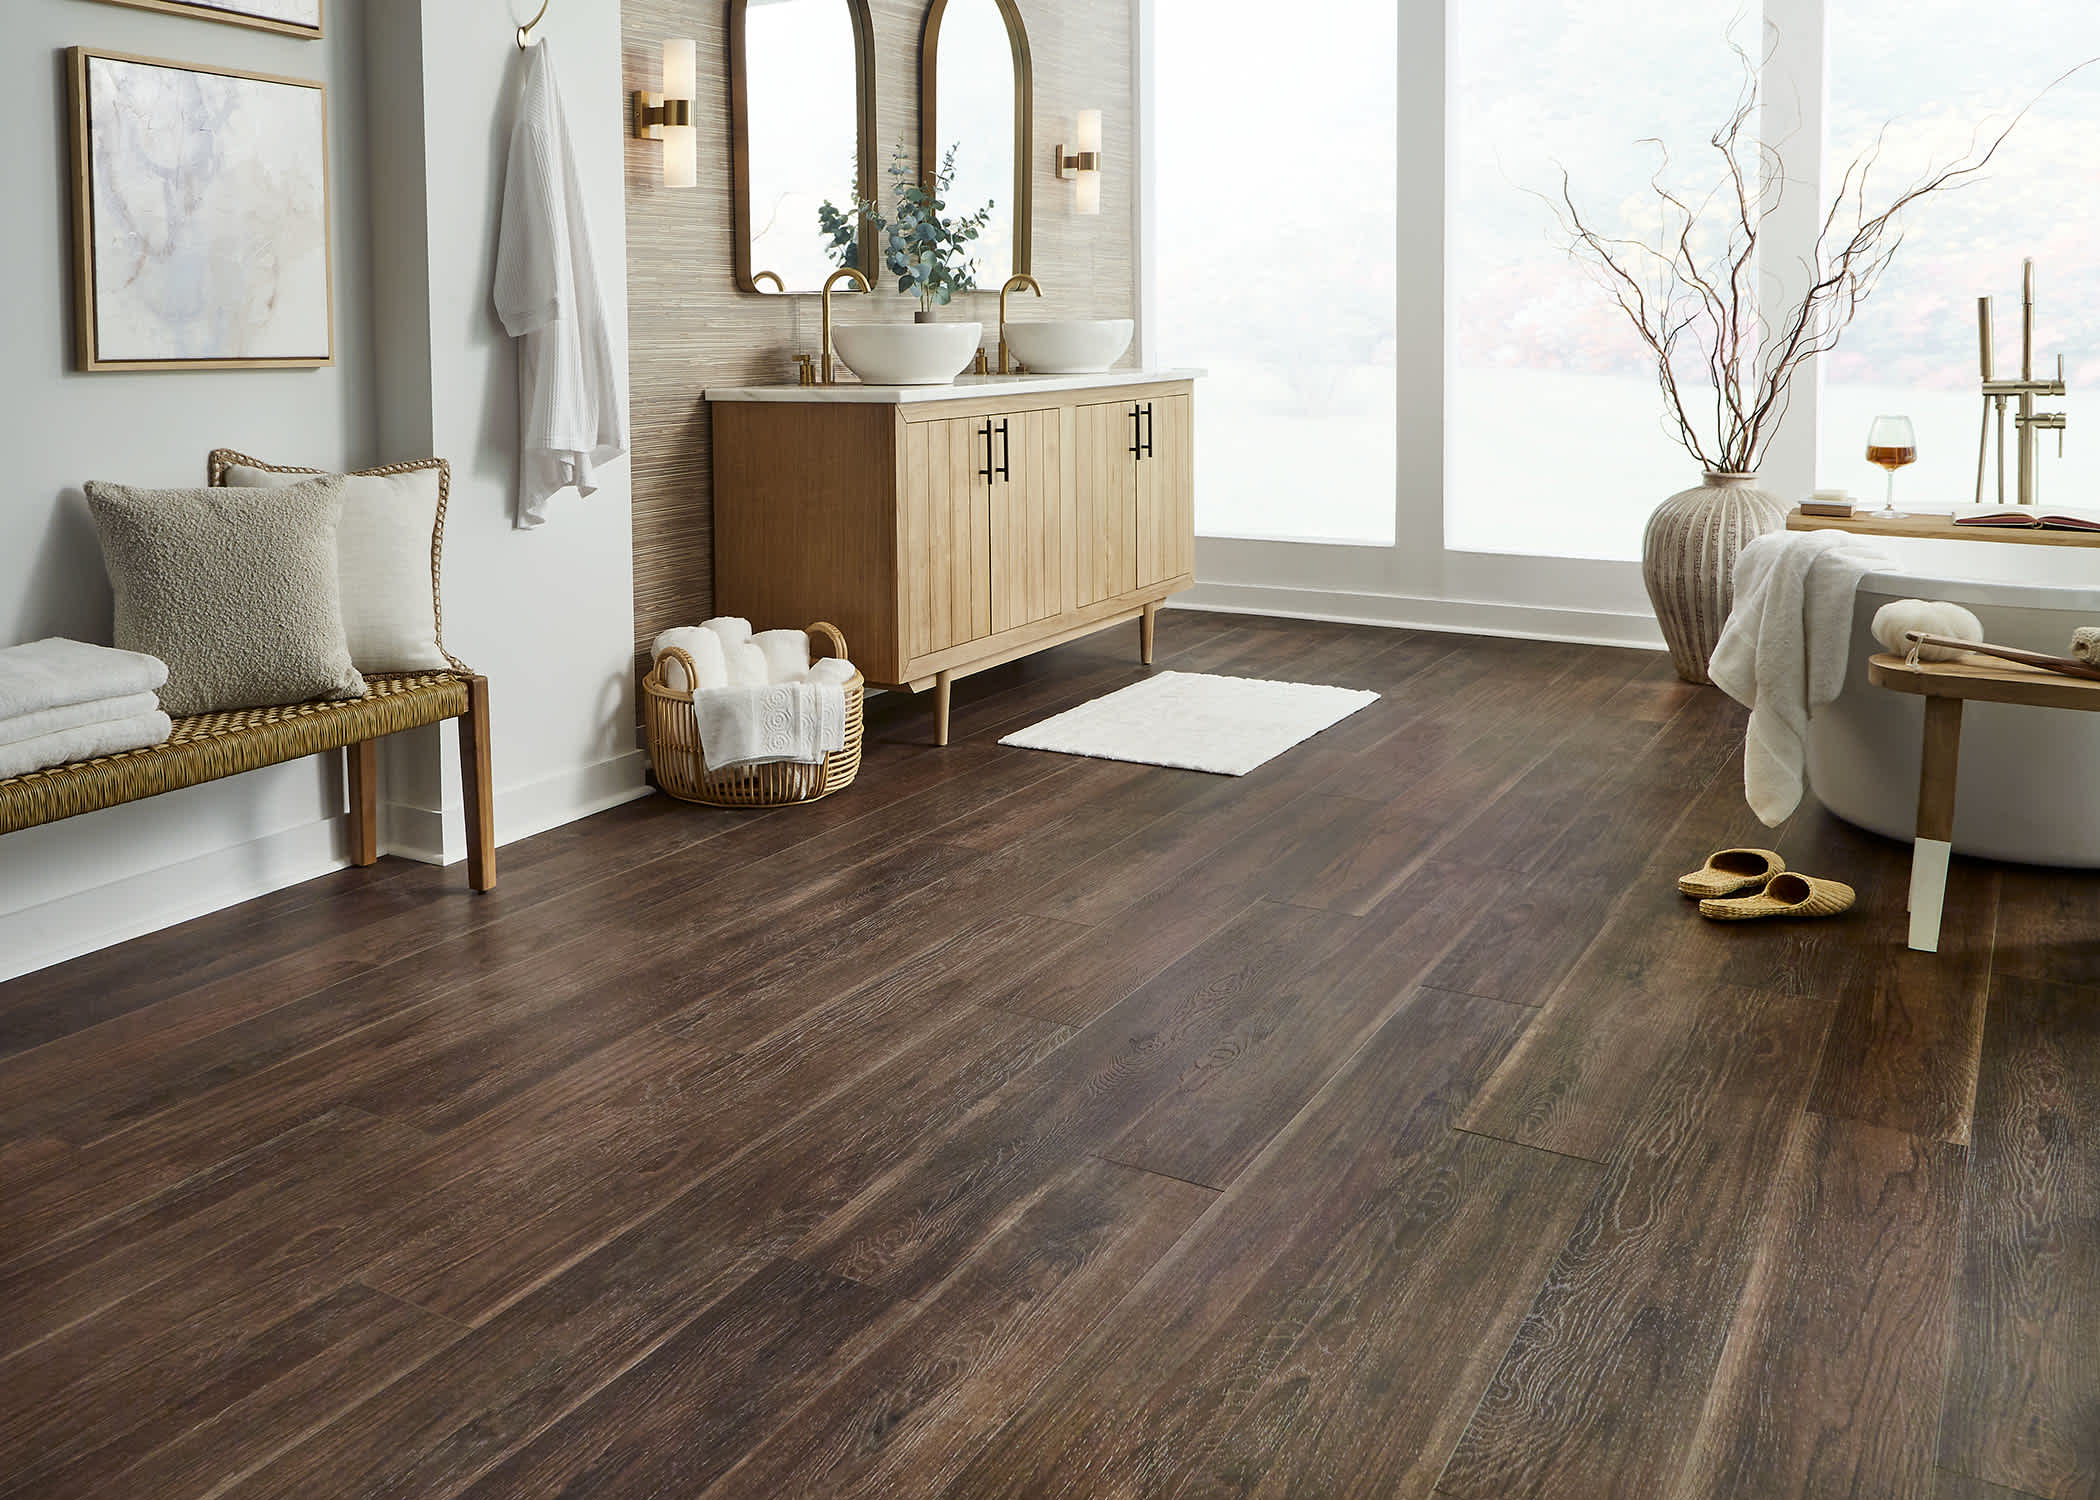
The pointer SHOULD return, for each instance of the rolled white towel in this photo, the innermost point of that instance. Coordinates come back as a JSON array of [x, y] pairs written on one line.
[[54, 672], [734, 630], [833, 669], [786, 652], [746, 666], [2085, 643], [83, 742], [74, 716], [704, 647], [1933, 617]]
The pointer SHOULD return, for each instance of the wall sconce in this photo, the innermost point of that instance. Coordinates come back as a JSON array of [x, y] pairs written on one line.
[[668, 117], [1082, 165]]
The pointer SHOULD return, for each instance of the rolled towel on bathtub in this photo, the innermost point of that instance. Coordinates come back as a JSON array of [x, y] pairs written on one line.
[[746, 665], [1931, 616], [734, 630], [786, 653], [704, 647], [2085, 644]]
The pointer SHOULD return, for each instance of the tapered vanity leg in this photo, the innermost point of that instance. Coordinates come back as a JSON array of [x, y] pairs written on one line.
[[1145, 622], [940, 707], [1934, 846], [364, 802]]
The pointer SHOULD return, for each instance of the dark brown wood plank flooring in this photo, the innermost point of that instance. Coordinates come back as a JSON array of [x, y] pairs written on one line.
[[1381, 1123]]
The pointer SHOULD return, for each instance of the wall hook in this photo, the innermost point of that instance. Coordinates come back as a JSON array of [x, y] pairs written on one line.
[[525, 31]]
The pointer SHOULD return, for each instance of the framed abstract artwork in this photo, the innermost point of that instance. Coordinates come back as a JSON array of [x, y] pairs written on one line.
[[293, 17], [200, 216]]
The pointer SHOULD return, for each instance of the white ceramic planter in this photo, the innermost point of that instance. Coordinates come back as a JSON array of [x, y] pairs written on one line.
[[907, 353], [1688, 561], [1069, 346]]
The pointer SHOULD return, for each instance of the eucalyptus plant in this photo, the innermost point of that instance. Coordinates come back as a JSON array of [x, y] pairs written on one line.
[[922, 246]]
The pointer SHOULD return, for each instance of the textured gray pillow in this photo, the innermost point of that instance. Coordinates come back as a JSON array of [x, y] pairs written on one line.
[[234, 589]]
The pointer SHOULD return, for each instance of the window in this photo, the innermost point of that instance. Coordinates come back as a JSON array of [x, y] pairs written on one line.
[[1926, 65], [1274, 174], [1555, 441]]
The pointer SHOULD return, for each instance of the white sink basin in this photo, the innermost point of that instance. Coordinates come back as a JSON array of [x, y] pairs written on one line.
[[1069, 346], [907, 353]]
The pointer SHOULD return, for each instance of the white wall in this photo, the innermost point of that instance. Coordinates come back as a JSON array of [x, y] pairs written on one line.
[[70, 886], [548, 615]]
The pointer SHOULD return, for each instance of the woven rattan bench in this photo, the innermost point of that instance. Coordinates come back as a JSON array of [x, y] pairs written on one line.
[[205, 747]]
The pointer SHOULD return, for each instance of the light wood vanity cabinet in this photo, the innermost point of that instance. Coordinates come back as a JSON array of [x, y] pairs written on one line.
[[948, 531]]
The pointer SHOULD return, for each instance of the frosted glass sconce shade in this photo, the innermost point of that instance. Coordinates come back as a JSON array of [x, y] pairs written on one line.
[[1081, 166], [668, 116]]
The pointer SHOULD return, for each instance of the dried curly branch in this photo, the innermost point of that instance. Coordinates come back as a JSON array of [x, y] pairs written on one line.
[[1690, 288]]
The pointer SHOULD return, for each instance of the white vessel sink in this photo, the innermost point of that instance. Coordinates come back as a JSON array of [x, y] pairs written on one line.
[[1069, 346], [907, 353]]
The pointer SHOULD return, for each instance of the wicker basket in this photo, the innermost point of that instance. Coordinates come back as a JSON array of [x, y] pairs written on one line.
[[674, 744]]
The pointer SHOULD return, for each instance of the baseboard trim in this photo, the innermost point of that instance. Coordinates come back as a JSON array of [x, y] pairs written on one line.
[[1460, 616], [437, 836], [102, 916]]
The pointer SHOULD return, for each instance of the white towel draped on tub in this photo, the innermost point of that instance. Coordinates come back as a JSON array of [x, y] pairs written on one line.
[[571, 415], [1785, 649], [56, 673], [796, 721]]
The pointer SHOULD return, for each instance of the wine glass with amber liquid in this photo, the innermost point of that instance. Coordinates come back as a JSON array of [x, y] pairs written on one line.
[[1891, 443]]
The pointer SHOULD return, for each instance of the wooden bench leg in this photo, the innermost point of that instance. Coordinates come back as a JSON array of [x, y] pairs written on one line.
[[1145, 625], [364, 802], [941, 683], [1934, 846], [474, 779]]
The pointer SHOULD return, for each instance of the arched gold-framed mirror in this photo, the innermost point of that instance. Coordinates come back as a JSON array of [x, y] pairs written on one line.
[[801, 134], [977, 92]]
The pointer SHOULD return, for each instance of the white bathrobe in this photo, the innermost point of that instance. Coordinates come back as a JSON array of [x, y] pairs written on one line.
[[571, 413], [1785, 649]]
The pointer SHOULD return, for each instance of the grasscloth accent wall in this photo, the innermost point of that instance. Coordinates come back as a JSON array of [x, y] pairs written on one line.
[[688, 325]]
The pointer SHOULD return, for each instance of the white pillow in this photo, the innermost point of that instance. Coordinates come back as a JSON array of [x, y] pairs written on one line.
[[388, 547]]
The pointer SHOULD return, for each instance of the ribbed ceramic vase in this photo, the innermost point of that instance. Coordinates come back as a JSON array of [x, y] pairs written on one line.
[[1688, 561]]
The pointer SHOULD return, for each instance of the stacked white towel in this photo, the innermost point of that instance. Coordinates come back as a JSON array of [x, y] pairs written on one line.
[[62, 701], [759, 698]]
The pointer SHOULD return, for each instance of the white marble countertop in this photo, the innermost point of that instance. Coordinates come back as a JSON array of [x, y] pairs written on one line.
[[966, 387]]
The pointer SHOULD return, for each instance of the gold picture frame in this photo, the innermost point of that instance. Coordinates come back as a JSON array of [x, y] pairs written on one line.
[[311, 298], [205, 12]]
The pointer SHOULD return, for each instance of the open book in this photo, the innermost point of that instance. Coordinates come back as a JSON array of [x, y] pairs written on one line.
[[2033, 518]]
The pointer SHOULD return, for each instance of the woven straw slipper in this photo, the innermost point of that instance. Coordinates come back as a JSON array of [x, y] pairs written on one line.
[[1729, 871], [1787, 895]]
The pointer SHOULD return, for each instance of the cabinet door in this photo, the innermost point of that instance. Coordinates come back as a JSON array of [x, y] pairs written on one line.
[[1166, 490], [1104, 508], [1028, 549], [945, 511]]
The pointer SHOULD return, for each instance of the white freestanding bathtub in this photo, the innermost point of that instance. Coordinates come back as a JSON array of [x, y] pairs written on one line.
[[2029, 777]]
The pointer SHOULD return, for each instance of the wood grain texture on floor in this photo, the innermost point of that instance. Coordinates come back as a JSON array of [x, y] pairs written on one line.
[[1381, 1123]]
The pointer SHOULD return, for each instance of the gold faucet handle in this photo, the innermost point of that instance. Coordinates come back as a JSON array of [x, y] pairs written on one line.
[[980, 365], [805, 369]]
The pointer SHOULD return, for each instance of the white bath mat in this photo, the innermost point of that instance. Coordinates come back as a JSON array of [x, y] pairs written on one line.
[[1195, 721]]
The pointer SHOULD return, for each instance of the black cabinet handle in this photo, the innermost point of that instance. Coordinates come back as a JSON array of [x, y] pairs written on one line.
[[985, 473], [1148, 429], [1137, 431], [1006, 450]]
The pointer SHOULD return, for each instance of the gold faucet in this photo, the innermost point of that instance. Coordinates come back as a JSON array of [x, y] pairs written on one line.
[[1018, 279], [844, 273]]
